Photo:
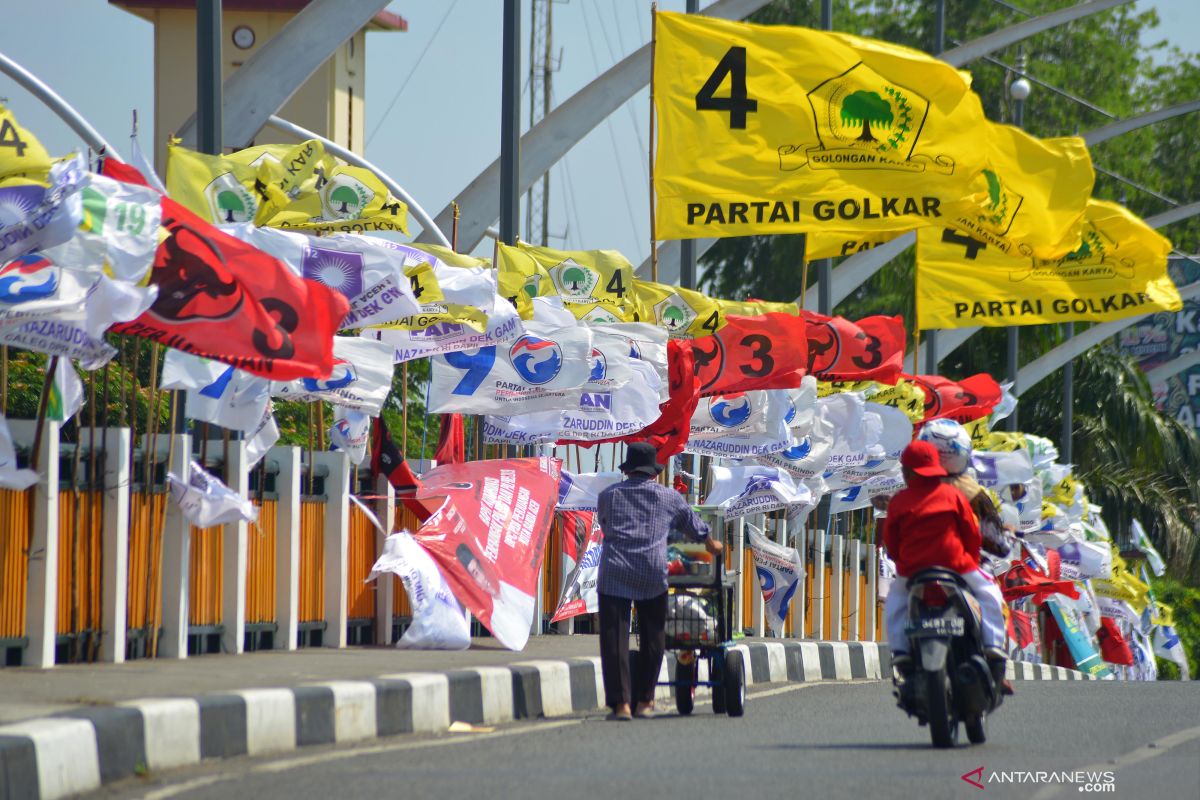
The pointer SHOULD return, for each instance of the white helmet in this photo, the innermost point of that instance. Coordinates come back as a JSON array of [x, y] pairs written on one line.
[[952, 441]]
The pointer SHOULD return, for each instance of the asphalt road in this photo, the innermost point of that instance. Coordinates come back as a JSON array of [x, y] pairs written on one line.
[[828, 740]]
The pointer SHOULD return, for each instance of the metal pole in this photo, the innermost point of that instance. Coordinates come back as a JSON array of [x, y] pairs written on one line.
[[1068, 402], [208, 76], [1013, 341], [510, 126], [825, 265], [687, 247]]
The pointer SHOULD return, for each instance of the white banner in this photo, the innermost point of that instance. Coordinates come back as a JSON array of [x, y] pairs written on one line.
[[503, 325], [808, 455], [439, 620], [581, 595], [737, 491], [350, 432], [996, 469], [206, 501], [10, 476], [1082, 560], [647, 343], [537, 372], [779, 575], [34, 217], [580, 491], [741, 425], [216, 393], [369, 274], [119, 231], [853, 498], [361, 377]]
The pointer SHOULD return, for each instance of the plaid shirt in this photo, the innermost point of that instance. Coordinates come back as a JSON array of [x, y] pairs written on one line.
[[636, 516]]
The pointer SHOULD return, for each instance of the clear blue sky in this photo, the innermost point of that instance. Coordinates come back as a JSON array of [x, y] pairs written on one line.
[[444, 125]]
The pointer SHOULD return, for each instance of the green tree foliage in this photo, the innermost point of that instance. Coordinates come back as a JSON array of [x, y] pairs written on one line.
[[1134, 459], [1185, 602]]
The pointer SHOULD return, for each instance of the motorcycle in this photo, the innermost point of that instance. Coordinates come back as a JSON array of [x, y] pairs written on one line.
[[949, 679]]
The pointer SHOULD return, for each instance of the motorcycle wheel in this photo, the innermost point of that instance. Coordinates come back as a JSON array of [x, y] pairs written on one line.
[[943, 726], [685, 680], [977, 729]]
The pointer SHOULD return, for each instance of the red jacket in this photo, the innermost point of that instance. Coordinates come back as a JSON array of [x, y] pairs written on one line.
[[930, 524]]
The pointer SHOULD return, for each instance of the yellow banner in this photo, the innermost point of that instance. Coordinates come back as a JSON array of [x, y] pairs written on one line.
[[684, 313], [1119, 270], [284, 186], [1031, 198], [21, 154], [595, 285], [835, 244], [776, 129]]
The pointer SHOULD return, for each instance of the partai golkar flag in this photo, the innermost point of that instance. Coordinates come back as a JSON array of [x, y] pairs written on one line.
[[595, 285], [776, 129], [1031, 197], [685, 313], [836, 244], [1119, 270]]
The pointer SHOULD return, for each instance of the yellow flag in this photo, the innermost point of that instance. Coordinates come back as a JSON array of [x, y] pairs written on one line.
[[835, 244], [420, 261], [21, 154], [1123, 585], [904, 395], [1119, 270], [595, 285], [285, 186], [776, 129], [685, 313], [1031, 197]]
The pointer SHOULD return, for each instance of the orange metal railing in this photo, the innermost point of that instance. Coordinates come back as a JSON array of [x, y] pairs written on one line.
[[312, 560], [14, 561], [260, 564], [360, 596], [405, 521], [145, 558], [79, 560], [206, 579]]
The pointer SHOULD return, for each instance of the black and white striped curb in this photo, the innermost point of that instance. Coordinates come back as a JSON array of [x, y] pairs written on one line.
[[80, 750]]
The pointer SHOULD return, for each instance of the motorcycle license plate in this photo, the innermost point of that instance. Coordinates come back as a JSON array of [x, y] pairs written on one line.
[[938, 626]]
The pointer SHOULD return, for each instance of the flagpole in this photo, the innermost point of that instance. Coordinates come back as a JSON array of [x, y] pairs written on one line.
[[148, 461], [653, 227], [76, 546], [97, 496], [4, 380], [172, 405]]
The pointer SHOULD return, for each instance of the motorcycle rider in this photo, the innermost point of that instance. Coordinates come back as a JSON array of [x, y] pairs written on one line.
[[930, 524]]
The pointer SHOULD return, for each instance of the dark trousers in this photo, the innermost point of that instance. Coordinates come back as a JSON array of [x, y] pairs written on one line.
[[614, 647]]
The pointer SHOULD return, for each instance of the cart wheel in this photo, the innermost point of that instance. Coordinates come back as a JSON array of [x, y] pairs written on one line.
[[735, 684], [685, 687], [716, 674]]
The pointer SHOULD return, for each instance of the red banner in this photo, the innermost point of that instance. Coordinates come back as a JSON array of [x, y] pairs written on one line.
[[871, 349], [764, 352], [220, 298], [961, 401], [489, 537]]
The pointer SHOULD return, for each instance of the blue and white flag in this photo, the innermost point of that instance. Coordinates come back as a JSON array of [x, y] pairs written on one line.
[[206, 501], [1168, 645], [738, 491], [34, 217], [647, 343], [11, 477], [1082, 560], [996, 469], [779, 575], [361, 378], [503, 326], [538, 371], [741, 424], [807, 454], [350, 432], [1142, 542], [217, 393], [580, 491]]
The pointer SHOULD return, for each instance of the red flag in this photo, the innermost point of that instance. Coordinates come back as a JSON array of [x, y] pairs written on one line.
[[387, 461], [764, 352], [120, 171], [489, 537], [220, 298], [452, 445], [871, 349], [1113, 647], [1022, 628], [961, 401]]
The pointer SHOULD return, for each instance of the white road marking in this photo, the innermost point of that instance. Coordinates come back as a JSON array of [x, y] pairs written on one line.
[[1156, 748]]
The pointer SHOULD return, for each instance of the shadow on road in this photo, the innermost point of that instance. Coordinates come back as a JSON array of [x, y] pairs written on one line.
[[849, 746]]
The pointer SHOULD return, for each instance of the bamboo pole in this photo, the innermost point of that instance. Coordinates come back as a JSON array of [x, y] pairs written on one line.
[[653, 226], [403, 409], [149, 436], [76, 544], [4, 380]]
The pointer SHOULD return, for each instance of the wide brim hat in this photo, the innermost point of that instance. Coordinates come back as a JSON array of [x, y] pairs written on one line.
[[642, 458]]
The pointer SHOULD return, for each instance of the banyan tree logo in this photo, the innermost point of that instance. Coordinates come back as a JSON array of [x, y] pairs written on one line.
[[574, 281], [1093, 259], [229, 201], [864, 122], [674, 314], [344, 197]]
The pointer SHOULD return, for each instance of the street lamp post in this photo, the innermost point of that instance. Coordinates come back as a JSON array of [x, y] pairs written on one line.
[[1019, 90]]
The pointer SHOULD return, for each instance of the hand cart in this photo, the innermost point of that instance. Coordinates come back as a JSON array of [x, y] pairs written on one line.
[[700, 627]]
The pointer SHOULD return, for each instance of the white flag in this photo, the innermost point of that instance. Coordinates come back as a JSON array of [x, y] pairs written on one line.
[[119, 232], [580, 595], [361, 377], [137, 158], [779, 575], [741, 425], [537, 372], [350, 432], [34, 217], [262, 438], [206, 501], [439, 620], [10, 476], [807, 455], [737, 491], [1168, 646], [1002, 468], [1082, 560], [66, 392], [647, 343], [503, 326], [1142, 542], [217, 393], [580, 491]]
